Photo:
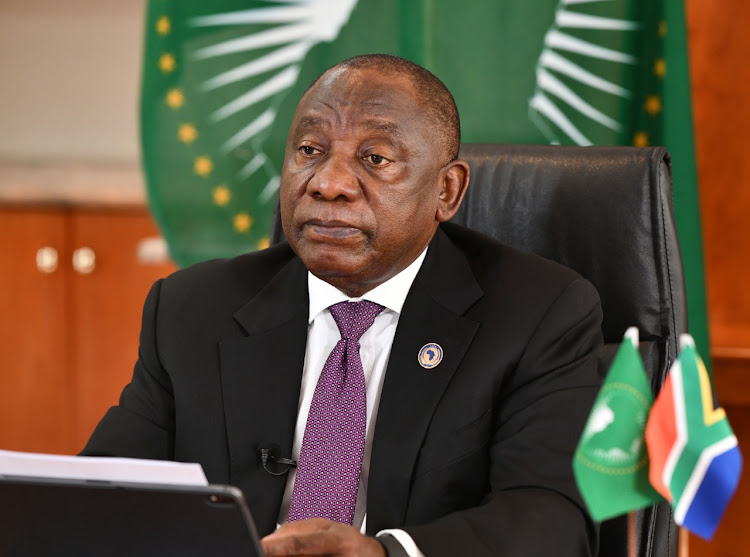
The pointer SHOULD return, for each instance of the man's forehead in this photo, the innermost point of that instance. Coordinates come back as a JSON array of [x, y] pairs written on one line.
[[366, 87], [345, 77], [314, 121], [368, 98]]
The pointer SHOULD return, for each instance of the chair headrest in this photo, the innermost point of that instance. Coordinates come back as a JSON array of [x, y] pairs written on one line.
[[604, 211]]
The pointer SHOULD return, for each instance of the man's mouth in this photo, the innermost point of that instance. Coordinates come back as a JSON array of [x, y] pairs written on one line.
[[332, 230]]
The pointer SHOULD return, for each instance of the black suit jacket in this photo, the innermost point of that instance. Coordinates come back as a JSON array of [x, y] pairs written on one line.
[[472, 457]]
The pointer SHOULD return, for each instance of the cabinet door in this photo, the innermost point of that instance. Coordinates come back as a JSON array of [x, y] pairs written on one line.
[[34, 332], [106, 305]]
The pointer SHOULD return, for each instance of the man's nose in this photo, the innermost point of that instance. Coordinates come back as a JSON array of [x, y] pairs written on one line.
[[335, 178]]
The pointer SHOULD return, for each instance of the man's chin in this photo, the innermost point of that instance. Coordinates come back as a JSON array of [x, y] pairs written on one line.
[[330, 270], [337, 257], [337, 269]]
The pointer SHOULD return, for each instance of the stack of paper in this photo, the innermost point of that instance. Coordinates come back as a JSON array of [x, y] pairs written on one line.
[[16, 464]]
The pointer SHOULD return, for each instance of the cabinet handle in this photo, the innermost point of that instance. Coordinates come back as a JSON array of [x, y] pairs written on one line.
[[46, 259], [152, 251], [84, 260]]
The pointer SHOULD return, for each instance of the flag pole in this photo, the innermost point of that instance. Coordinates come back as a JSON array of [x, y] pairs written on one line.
[[631, 535], [684, 547]]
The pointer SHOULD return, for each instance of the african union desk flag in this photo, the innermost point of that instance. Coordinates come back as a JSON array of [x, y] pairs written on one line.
[[695, 460], [611, 461]]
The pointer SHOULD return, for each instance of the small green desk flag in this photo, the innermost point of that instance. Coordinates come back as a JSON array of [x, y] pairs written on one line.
[[611, 462]]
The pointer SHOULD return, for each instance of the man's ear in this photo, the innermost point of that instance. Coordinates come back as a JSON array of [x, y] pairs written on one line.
[[454, 179]]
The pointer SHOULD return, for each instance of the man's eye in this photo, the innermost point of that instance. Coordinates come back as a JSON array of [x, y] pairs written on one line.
[[307, 150], [376, 159]]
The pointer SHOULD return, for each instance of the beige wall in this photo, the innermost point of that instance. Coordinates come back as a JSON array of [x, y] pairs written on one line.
[[69, 79]]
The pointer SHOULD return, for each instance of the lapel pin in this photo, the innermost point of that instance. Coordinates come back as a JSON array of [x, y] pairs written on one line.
[[430, 355]]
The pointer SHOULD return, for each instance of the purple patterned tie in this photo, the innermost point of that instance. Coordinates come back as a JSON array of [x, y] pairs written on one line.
[[331, 456]]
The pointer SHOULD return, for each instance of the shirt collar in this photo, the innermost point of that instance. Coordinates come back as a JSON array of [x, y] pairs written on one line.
[[391, 294]]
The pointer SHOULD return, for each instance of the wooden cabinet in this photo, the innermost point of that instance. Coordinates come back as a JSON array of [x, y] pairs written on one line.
[[34, 351], [68, 334], [720, 77]]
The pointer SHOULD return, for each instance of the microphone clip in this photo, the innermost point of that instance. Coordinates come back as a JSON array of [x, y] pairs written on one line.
[[274, 465]]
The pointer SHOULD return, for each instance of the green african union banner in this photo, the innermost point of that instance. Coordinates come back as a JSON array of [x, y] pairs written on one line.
[[611, 463], [221, 79]]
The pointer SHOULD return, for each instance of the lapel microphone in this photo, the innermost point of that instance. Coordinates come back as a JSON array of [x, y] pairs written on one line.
[[273, 464]]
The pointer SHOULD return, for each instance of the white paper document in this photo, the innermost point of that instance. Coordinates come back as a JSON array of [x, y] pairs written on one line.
[[100, 469]]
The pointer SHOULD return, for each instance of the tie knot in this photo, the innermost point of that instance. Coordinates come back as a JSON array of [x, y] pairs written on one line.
[[354, 318]]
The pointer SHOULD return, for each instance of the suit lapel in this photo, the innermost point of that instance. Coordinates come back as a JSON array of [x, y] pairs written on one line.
[[443, 290], [261, 376]]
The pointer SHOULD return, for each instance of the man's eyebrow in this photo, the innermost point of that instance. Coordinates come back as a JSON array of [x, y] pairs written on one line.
[[382, 125], [308, 122]]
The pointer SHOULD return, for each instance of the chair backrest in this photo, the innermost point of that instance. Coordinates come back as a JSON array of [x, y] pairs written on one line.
[[607, 213]]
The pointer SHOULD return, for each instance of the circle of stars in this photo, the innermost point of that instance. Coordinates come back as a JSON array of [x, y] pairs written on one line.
[[187, 133], [652, 105]]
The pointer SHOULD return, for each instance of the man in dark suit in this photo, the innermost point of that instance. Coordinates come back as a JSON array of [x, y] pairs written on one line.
[[480, 368]]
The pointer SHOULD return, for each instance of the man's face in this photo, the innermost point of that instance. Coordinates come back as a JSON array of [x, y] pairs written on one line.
[[361, 180]]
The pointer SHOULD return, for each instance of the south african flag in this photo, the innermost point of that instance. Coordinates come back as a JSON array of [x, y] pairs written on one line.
[[695, 460]]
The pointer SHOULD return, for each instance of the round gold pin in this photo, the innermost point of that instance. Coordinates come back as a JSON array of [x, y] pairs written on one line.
[[430, 355]]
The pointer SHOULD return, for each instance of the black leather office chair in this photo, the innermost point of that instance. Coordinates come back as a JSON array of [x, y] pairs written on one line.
[[607, 213]]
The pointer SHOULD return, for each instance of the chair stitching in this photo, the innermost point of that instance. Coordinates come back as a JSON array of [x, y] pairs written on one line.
[[666, 249]]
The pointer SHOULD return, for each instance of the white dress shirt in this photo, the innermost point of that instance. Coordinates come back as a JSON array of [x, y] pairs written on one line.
[[375, 349]]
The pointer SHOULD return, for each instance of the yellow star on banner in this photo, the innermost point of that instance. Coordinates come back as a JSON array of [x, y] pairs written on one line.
[[221, 195], [167, 63], [203, 166], [662, 29], [187, 133], [242, 222], [175, 99], [163, 25], [640, 139], [660, 67], [652, 105], [264, 242]]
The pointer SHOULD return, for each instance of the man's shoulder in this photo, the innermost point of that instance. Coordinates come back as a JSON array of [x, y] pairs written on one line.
[[492, 259], [244, 274], [521, 288]]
